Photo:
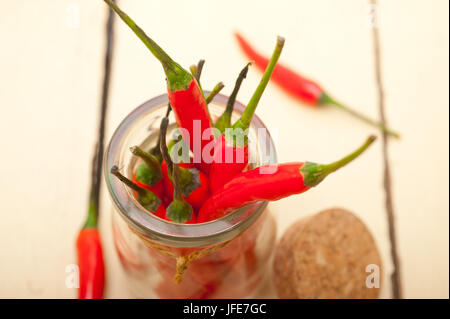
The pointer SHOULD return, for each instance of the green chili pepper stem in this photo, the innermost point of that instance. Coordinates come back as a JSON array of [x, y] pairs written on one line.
[[126, 181], [156, 150], [314, 173], [199, 69], [171, 144], [219, 86], [196, 71], [151, 162], [242, 75], [185, 175], [193, 69], [179, 210], [332, 167], [326, 99], [92, 217], [224, 121], [146, 198], [163, 145], [176, 183], [246, 117], [177, 77]]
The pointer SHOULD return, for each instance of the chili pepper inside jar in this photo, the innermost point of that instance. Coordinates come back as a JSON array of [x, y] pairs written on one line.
[[225, 258]]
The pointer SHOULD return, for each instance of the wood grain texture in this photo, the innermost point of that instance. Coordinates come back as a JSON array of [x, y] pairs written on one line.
[[387, 181]]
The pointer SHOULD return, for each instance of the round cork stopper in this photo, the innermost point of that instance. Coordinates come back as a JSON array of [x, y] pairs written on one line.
[[329, 255]]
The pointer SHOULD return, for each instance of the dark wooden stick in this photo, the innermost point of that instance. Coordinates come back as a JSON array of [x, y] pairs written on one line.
[[100, 145], [395, 277]]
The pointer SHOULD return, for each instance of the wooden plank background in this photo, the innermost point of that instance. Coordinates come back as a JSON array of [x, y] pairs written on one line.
[[50, 83]]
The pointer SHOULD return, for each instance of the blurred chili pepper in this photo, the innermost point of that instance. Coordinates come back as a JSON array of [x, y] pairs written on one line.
[[185, 94], [302, 88], [258, 184], [194, 184], [224, 168], [146, 198], [148, 174], [89, 247]]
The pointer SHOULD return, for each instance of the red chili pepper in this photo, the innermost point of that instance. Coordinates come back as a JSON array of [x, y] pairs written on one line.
[[302, 88], [193, 219], [185, 103], [90, 263], [258, 184], [197, 196], [146, 198], [148, 173], [179, 210], [194, 184], [89, 247], [223, 169], [158, 188], [185, 94]]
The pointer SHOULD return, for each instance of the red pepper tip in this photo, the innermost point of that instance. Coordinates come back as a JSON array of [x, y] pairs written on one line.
[[239, 37]]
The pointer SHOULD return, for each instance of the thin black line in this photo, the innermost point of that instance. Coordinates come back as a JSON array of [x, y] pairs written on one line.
[[103, 108], [395, 276]]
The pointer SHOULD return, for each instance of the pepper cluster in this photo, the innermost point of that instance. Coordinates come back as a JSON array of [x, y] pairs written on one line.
[[199, 190]]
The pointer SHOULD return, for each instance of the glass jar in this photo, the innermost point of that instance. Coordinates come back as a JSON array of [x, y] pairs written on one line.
[[226, 258]]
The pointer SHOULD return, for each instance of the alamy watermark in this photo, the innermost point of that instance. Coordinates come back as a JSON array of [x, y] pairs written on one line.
[[235, 145], [73, 278], [372, 15], [373, 279], [73, 16]]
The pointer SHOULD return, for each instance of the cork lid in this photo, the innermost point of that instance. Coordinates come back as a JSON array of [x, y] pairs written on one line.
[[329, 255]]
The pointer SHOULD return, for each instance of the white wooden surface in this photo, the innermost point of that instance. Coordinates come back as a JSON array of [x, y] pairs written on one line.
[[51, 63]]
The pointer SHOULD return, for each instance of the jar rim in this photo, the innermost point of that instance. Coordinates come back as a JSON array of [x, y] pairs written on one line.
[[167, 232]]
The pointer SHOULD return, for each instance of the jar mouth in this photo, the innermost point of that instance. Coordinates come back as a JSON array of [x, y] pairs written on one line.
[[167, 232]]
